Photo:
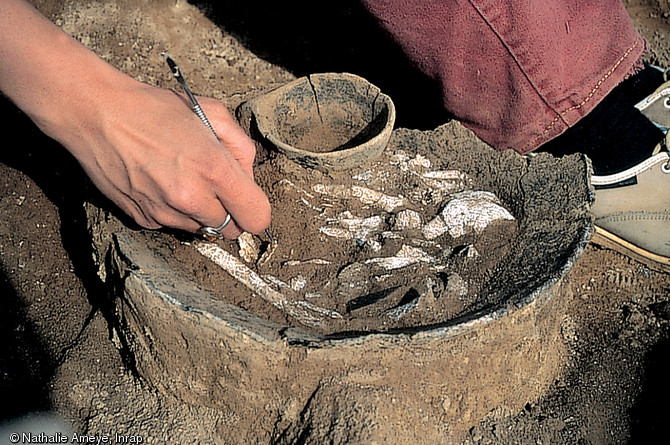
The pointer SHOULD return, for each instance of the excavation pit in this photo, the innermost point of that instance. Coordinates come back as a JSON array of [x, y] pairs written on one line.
[[436, 268]]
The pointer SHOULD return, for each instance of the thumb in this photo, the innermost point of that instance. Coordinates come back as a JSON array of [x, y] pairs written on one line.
[[240, 195], [230, 134]]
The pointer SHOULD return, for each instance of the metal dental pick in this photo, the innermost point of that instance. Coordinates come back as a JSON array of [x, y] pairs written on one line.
[[176, 72]]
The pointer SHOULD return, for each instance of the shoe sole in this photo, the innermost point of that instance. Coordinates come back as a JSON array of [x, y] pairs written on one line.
[[609, 240]]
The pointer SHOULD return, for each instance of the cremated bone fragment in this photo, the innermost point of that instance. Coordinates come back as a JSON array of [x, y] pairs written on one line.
[[365, 195], [467, 212], [238, 270], [406, 256], [249, 250]]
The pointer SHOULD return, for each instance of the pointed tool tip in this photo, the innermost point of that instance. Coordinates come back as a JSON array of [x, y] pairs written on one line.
[[167, 58]]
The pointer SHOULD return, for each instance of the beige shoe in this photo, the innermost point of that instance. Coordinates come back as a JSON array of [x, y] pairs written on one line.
[[632, 211], [656, 107]]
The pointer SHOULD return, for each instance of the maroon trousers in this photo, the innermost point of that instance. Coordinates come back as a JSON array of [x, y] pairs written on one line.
[[516, 72]]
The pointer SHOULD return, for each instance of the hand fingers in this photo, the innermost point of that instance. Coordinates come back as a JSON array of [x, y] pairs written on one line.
[[232, 174], [230, 134], [201, 181], [193, 208], [206, 199], [243, 198]]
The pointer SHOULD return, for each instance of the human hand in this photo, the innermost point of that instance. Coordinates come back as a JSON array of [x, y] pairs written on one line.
[[152, 156]]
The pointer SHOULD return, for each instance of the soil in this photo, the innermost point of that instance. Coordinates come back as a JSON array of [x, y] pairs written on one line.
[[350, 259], [60, 353]]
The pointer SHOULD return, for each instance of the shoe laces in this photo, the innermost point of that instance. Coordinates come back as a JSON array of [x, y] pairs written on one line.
[[663, 146], [665, 167]]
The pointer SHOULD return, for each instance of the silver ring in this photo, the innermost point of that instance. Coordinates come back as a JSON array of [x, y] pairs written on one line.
[[215, 231]]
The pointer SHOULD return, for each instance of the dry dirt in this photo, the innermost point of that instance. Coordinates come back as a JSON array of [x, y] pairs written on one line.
[[59, 353], [368, 267]]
